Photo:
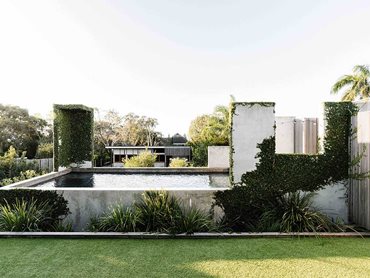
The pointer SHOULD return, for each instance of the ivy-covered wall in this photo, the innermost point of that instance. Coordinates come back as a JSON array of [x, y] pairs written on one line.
[[73, 134], [277, 174], [250, 124]]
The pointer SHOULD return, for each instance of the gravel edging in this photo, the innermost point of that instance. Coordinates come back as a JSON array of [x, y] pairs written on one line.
[[140, 235]]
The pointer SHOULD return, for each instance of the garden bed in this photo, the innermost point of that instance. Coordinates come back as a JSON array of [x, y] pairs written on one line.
[[143, 235]]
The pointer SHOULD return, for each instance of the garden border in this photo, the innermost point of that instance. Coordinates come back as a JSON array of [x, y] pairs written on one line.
[[141, 235]]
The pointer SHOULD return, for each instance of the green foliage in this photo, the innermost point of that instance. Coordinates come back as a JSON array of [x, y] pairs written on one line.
[[159, 211], [19, 129], [73, 134], [194, 220], [338, 132], [156, 211], [208, 130], [45, 150], [199, 154], [28, 174], [293, 212], [13, 169], [144, 159], [118, 219], [354, 86], [300, 217], [57, 211], [23, 216], [178, 162], [278, 174]]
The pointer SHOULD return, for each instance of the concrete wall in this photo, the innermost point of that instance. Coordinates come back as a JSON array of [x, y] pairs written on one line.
[[285, 134], [87, 203], [251, 124], [310, 135], [332, 200], [296, 136], [219, 156]]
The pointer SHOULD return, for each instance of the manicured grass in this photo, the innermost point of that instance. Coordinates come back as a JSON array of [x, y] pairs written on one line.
[[185, 258]]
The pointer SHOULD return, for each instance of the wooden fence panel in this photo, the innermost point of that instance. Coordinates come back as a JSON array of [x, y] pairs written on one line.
[[359, 193]]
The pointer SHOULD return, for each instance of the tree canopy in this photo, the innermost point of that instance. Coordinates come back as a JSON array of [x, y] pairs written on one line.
[[20, 130], [354, 86], [128, 130], [209, 130]]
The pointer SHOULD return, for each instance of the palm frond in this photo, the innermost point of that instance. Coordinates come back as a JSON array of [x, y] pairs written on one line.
[[362, 69], [343, 82], [349, 94]]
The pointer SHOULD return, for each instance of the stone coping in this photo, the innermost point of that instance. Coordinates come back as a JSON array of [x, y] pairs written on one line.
[[152, 170], [36, 180], [131, 189], [140, 235]]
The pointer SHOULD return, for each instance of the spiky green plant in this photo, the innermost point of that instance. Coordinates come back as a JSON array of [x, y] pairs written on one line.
[[159, 211], [194, 220], [23, 216], [118, 219], [300, 216]]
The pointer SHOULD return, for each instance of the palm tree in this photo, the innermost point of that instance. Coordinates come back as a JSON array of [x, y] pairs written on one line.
[[354, 86]]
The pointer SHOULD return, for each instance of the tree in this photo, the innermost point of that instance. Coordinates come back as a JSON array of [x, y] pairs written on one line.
[[106, 133], [213, 128], [129, 130], [354, 86], [19, 129], [208, 130], [139, 131]]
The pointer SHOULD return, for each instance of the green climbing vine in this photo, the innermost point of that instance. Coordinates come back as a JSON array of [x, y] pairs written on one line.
[[73, 134], [278, 174]]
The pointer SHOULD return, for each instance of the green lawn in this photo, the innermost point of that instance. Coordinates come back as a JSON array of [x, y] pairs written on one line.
[[185, 258]]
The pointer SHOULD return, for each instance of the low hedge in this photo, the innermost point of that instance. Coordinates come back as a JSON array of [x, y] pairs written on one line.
[[58, 205]]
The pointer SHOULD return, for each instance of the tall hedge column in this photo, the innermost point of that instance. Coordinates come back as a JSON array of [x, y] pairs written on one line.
[[73, 135], [251, 123]]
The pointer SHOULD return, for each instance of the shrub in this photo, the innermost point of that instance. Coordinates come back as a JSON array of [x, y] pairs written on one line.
[[13, 169], [144, 159], [45, 150], [28, 174], [155, 212], [58, 209], [178, 162], [23, 216], [199, 153], [194, 220], [159, 211], [119, 219], [299, 216]]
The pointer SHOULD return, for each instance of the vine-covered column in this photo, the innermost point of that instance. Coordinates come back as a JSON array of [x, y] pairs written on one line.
[[73, 134]]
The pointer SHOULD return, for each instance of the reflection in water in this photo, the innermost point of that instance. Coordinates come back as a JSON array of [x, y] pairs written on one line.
[[144, 181]]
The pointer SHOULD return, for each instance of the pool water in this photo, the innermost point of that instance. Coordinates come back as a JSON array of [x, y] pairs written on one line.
[[138, 181]]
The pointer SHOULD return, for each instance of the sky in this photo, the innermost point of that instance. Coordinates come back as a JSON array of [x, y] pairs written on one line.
[[175, 60]]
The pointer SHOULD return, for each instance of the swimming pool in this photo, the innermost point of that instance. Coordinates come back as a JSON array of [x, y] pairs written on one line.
[[137, 181]]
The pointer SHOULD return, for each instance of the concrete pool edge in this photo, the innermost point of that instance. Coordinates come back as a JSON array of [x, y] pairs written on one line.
[[36, 180], [152, 170]]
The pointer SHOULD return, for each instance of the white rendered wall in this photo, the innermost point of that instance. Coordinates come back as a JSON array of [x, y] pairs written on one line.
[[251, 124], [219, 156], [285, 134], [332, 200]]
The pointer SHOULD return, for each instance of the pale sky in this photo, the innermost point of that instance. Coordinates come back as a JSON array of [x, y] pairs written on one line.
[[175, 60]]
